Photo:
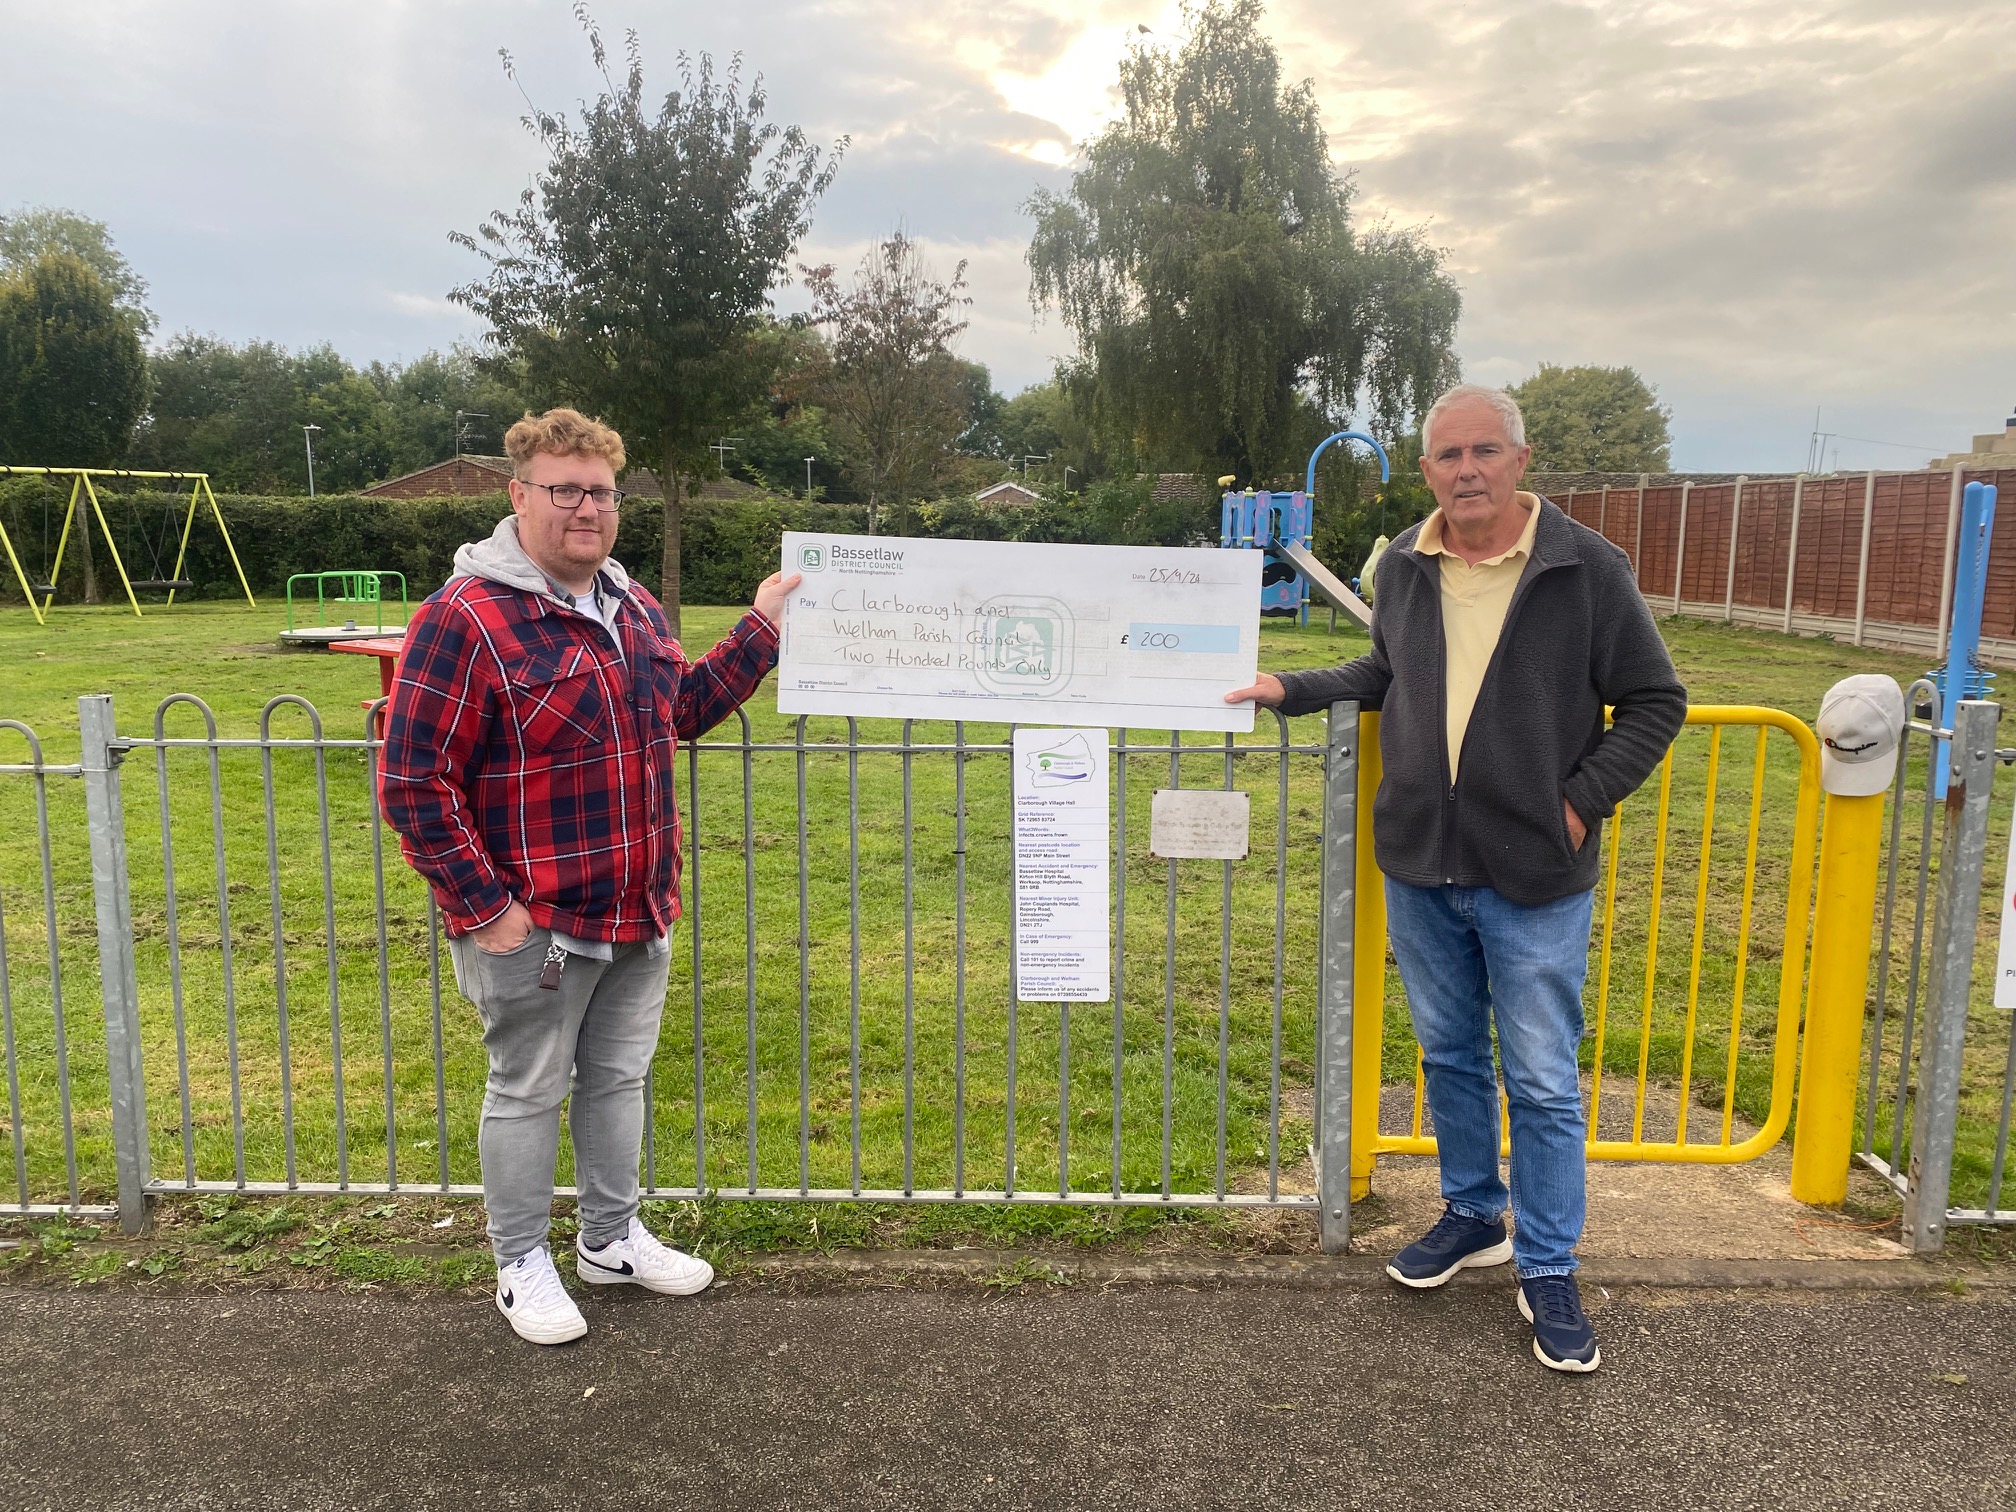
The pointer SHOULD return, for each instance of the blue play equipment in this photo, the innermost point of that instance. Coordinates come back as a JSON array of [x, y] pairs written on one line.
[[1963, 676], [1279, 524]]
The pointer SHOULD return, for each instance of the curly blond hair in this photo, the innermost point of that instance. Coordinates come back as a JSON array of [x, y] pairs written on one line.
[[562, 433]]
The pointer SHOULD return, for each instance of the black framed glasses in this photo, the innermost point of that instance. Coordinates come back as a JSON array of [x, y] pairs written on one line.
[[569, 495]]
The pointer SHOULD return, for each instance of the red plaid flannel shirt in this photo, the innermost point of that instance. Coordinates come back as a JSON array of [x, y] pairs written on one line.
[[525, 759]]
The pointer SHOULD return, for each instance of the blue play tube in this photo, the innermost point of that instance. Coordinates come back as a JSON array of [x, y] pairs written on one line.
[[1385, 467], [1963, 641]]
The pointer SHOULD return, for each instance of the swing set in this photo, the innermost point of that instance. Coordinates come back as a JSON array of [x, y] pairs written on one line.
[[41, 590]]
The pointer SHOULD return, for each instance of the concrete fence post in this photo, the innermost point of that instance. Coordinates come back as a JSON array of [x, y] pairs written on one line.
[[1862, 568], [1735, 531], [1638, 535], [1947, 565], [1336, 979], [105, 818], [1792, 549], [1680, 547]]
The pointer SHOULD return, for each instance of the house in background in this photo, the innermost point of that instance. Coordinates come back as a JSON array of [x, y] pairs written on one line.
[[459, 477], [1009, 492], [1995, 449]]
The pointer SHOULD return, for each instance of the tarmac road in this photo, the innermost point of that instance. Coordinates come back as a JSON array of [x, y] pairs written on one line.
[[1069, 1398]]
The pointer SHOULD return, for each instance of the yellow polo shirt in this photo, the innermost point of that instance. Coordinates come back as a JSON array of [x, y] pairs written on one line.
[[1474, 601]]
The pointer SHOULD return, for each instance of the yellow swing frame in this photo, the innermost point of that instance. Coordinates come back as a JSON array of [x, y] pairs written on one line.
[[82, 489]]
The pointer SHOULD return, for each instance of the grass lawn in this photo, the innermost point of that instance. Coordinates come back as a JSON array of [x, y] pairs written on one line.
[[306, 983]]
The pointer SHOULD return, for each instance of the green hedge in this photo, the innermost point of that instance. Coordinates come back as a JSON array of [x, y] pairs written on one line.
[[728, 546]]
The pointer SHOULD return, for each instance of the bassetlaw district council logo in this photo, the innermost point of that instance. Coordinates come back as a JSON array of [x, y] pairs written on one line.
[[812, 558]]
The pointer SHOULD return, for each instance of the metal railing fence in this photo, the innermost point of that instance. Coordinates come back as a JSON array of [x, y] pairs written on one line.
[[273, 980], [1939, 1086], [273, 1014], [52, 1052]]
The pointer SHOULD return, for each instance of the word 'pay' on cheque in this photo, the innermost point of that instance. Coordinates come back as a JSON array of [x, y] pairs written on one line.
[[891, 627]]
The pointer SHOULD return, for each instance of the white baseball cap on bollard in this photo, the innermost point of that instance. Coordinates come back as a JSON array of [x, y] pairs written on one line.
[[1861, 721]]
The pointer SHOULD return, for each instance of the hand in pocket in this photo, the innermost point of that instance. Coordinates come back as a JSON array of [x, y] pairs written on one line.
[[505, 933]]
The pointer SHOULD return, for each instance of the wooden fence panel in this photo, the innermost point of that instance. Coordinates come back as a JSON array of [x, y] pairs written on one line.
[[1764, 538], [1999, 612], [1705, 575], [1907, 544], [1658, 539], [1830, 542]]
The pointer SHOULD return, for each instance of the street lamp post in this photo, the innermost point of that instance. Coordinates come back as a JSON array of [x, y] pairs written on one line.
[[308, 440], [808, 479]]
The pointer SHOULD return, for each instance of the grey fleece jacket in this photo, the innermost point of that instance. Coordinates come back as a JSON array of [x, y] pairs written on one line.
[[1577, 636]]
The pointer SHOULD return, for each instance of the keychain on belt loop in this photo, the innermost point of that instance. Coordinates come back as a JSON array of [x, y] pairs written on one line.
[[556, 962]]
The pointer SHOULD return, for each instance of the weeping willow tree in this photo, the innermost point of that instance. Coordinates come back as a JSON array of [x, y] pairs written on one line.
[[1224, 304]]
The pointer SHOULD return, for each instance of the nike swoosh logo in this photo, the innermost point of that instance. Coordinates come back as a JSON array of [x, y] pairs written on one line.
[[506, 1297], [625, 1269]]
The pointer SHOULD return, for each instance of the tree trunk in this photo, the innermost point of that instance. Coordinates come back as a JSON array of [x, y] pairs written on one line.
[[668, 579], [84, 550]]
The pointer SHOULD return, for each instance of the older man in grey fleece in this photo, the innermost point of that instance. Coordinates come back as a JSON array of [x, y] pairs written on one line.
[[1503, 628]]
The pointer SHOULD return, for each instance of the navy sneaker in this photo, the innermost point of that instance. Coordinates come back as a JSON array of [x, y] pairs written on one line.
[[1562, 1336], [1455, 1243]]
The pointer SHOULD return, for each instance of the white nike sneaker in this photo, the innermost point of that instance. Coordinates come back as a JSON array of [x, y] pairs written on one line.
[[639, 1258], [530, 1296]]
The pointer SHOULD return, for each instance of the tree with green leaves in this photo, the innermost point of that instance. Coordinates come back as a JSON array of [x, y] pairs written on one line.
[[29, 232], [73, 377], [896, 398], [1206, 259], [236, 412], [1594, 419], [632, 279], [426, 395]]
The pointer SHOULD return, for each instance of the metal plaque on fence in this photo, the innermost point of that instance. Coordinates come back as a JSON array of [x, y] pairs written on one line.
[[1199, 824]]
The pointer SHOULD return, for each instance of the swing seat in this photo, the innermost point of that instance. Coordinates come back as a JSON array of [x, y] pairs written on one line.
[[42, 590], [162, 585]]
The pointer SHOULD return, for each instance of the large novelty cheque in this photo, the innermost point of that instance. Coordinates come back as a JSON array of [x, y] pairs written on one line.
[[892, 627]]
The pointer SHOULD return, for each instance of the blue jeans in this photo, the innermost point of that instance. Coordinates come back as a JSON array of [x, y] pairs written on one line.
[[1467, 954]]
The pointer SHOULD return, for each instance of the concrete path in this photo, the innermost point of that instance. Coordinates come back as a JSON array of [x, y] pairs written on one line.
[[1160, 1397]]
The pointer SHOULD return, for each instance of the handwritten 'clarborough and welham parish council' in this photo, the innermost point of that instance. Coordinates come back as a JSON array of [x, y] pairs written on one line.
[[892, 627]]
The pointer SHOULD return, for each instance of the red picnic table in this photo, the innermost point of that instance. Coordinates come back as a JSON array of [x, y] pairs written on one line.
[[385, 647]]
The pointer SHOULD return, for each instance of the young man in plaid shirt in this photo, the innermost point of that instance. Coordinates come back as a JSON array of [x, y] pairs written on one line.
[[529, 770]]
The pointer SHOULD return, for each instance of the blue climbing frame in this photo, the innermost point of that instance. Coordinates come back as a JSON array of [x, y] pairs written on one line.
[[1256, 520]]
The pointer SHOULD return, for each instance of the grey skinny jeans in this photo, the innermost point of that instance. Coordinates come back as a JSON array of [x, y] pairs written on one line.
[[600, 1030]]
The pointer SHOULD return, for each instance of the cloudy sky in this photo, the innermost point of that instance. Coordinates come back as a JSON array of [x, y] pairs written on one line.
[[1765, 206]]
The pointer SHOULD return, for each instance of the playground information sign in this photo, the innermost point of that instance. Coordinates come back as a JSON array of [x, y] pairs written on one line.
[[892, 627], [1063, 868]]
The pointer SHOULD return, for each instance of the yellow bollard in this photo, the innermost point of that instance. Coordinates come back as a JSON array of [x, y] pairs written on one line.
[[1368, 971], [1830, 1060]]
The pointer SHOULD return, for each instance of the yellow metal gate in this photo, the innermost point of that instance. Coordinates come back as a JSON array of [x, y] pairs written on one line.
[[1697, 983]]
